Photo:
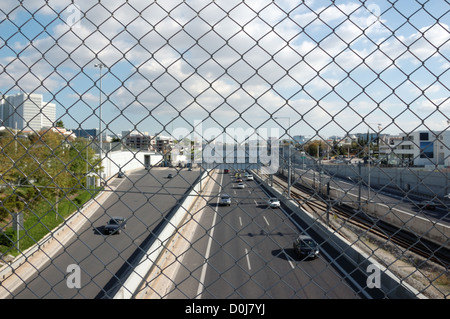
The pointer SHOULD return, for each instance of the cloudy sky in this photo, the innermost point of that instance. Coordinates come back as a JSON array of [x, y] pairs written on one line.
[[318, 67]]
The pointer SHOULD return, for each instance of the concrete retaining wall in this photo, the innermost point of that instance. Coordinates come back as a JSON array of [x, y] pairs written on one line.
[[114, 162], [404, 179]]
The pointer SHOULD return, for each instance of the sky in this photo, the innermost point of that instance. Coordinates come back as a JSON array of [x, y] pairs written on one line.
[[313, 68]]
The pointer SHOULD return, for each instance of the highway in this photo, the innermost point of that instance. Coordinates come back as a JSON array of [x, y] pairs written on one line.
[[245, 251], [144, 198]]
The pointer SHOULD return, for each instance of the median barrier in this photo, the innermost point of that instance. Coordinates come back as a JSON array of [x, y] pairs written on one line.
[[166, 231]]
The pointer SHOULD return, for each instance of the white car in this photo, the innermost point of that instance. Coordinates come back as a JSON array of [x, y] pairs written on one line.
[[273, 202], [249, 177], [240, 185]]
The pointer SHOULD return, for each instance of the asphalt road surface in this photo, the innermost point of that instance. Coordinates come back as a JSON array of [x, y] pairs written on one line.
[[245, 251], [144, 198]]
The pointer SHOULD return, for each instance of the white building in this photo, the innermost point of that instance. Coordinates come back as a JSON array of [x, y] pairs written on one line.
[[420, 148], [67, 134], [27, 112]]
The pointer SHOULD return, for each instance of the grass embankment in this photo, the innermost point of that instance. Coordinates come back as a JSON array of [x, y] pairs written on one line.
[[41, 216]]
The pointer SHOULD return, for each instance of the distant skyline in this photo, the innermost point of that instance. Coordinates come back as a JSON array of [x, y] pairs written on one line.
[[323, 68], [28, 112]]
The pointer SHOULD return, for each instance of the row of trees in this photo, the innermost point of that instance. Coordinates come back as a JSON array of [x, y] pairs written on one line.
[[44, 165], [356, 148]]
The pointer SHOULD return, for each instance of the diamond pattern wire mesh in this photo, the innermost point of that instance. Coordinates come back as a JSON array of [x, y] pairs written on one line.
[[349, 101]]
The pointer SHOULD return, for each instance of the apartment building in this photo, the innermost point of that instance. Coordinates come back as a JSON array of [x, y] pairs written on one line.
[[164, 144], [139, 140]]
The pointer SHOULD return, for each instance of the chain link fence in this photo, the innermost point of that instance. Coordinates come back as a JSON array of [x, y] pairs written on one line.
[[224, 149]]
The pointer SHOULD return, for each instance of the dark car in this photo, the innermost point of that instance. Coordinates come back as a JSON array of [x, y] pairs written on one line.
[[170, 176], [121, 175], [306, 247], [115, 225], [427, 204]]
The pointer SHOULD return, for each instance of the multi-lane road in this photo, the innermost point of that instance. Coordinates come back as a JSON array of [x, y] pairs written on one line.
[[245, 251], [144, 198]]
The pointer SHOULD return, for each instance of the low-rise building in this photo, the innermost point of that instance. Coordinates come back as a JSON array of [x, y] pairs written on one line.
[[419, 148], [139, 140]]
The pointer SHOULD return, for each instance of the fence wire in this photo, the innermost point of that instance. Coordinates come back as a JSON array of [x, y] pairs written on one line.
[[224, 149]]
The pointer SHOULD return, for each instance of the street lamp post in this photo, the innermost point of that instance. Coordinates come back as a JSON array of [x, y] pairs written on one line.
[[289, 154], [100, 66]]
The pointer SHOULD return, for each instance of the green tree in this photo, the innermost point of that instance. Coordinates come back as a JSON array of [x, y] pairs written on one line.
[[313, 147], [13, 156], [83, 160], [60, 123], [57, 165]]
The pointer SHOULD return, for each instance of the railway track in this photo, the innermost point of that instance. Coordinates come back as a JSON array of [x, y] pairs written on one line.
[[323, 208]]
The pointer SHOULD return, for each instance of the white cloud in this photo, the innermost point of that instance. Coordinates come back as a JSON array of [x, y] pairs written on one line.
[[177, 54], [432, 105], [87, 97]]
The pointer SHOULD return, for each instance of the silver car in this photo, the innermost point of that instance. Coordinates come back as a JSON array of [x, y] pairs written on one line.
[[225, 200]]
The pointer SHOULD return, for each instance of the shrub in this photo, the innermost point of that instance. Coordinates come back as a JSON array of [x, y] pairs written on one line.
[[7, 237]]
